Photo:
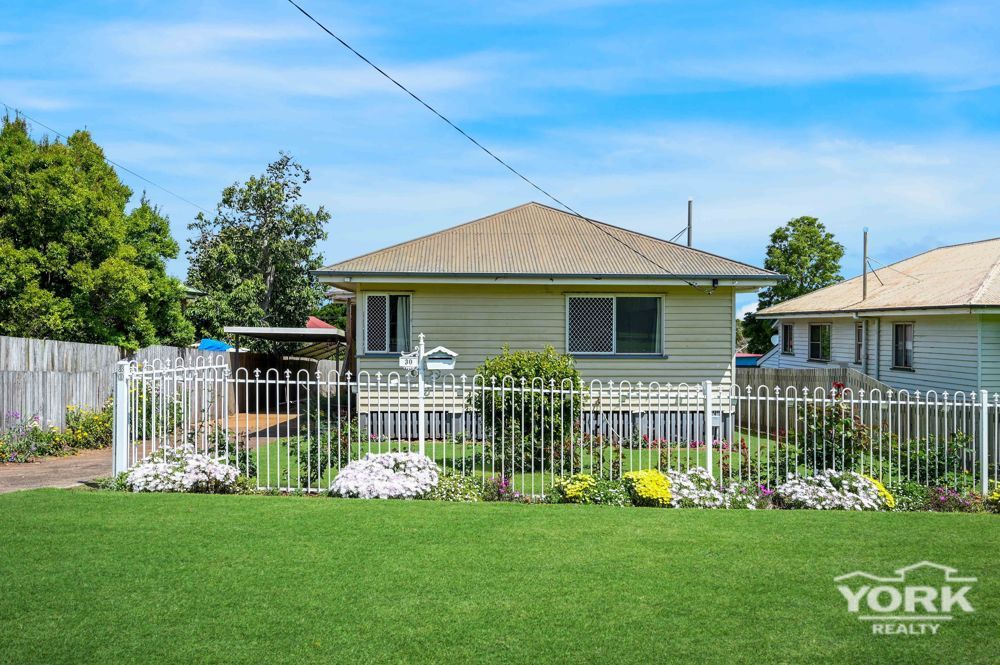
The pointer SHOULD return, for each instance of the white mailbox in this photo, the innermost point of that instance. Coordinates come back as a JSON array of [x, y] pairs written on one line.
[[440, 359]]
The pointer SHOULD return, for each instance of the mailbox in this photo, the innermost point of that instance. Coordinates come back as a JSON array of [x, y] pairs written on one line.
[[440, 359]]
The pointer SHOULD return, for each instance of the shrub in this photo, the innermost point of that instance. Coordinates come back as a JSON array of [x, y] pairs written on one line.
[[909, 495], [951, 500], [887, 498], [747, 495], [831, 490], [86, 429], [387, 476], [648, 487], [182, 470], [578, 488], [934, 461], [451, 487], [838, 439], [26, 438], [528, 421], [694, 488], [611, 493], [992, 500]]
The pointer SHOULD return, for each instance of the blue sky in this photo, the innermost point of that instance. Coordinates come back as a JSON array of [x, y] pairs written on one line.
[[870, 113]]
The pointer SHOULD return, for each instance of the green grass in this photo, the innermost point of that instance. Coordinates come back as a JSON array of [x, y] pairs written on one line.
[[106, 577]]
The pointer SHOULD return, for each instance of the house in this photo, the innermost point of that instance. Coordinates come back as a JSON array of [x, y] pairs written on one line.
[[928, 322], [628, 306]]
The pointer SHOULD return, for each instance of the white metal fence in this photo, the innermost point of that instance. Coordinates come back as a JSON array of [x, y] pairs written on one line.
[[295, 430]]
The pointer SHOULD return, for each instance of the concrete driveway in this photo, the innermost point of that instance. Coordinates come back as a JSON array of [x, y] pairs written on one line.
[[56, 471]]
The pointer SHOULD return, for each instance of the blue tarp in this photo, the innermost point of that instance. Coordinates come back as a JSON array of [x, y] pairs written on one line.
[[208, 344]]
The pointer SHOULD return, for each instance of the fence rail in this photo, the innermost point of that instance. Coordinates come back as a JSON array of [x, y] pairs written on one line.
[[294, 430]]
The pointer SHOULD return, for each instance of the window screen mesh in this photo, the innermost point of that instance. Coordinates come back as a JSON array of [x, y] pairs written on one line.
[[591, 325], [376, 335]]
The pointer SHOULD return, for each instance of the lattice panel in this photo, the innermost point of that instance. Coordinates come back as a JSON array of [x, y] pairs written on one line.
[[376, 324], [591, 325]]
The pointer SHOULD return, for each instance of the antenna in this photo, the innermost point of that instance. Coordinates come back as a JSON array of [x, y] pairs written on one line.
[[690, 219], [864, 268]]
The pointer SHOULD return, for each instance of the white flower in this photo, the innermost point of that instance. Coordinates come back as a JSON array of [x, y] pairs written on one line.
[[182, 470], [831, 490], [387, 476]]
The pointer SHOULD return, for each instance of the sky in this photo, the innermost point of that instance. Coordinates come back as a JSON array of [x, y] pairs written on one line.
[[877, 114]]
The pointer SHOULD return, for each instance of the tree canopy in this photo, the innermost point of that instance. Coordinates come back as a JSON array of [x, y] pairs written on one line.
[[254, 256], [74, 264], [809, 256]]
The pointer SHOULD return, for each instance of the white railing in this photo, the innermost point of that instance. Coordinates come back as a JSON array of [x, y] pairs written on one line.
[[294, 431]]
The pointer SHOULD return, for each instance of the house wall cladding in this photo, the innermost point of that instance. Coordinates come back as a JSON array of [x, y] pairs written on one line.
[[475, 320], [945, 351]]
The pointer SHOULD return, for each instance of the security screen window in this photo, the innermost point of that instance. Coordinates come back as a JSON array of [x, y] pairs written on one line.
[[819, 341], [387, 323], [787, 339], [613, 325]]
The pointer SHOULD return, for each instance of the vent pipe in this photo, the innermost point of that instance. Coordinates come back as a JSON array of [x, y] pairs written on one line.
[[690, 219], [864, 268]]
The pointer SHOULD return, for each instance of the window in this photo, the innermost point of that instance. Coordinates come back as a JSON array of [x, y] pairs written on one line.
[[902, 345], [819, 341], [613, 324], [387, 323], [859, 343], [788, 339]]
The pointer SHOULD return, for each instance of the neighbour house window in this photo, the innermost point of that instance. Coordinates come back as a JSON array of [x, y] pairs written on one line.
[[613, 324], [902, 345], [859, 343], [387, 323], [819, 341], [788, 339]]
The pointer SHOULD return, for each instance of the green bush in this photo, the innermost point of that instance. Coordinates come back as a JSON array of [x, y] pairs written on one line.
[[525, 423], [452, 487], [86, 429]]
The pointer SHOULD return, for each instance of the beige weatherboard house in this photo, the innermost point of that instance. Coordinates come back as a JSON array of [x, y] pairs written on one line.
[[626, 305], [929, 322]]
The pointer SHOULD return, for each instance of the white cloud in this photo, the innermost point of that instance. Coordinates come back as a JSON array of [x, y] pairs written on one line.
[[747, 309]]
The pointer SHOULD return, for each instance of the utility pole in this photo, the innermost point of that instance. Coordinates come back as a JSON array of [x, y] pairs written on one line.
[[690, 220]]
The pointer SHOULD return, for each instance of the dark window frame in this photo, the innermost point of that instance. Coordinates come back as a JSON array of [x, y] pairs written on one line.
[[904, 361], [788, 339], [829, 343], [402, 339], [859, 343]]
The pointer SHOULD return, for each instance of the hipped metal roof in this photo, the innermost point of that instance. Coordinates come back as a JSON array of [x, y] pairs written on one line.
[[966, 275], [535, 240]]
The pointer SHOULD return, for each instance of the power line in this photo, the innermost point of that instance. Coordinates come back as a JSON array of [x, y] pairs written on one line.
[[18, 111], [889, 267], [479, 145]]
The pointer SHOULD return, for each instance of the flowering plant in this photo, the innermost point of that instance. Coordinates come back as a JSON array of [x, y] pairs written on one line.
[[182, 470], [694, 488], [832, 490], [387, 476], [456, 488], [648, 487], [951, 500], [578, 488]]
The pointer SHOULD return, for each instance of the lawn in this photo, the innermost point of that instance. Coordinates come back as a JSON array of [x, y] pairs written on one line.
[[106, 577]]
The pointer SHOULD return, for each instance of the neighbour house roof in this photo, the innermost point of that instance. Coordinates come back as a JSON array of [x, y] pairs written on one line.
[[966, 276], [535, 240]]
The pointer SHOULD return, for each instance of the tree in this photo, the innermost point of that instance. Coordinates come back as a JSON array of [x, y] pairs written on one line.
[[809, 256], [334, 313], [254, 256], [74, 265]]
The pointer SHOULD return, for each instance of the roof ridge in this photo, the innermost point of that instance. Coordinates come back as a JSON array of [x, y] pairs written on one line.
[[991, 275]]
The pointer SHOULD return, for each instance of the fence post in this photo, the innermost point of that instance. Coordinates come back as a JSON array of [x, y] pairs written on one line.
[[421, 416], [984, 440], [119, 425], [707, 432]]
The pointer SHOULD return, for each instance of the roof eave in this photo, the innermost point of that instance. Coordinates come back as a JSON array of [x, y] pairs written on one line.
[[876, 311], [327, 275]]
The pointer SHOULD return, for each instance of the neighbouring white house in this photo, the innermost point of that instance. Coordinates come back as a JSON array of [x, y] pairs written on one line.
[[627, 306], [931, 321]]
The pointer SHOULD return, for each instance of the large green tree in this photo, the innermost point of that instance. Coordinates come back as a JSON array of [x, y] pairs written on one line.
[[74, 264], [254, 256], [809, 256]]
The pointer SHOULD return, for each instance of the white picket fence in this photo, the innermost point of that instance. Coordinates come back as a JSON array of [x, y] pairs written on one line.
[[294, 430]]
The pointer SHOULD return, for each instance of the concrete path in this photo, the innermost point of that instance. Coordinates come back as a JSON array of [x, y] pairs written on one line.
[[56, 471]]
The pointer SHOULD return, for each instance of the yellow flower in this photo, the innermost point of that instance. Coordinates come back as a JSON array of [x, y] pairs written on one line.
[[648, 487], [890, 500]]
